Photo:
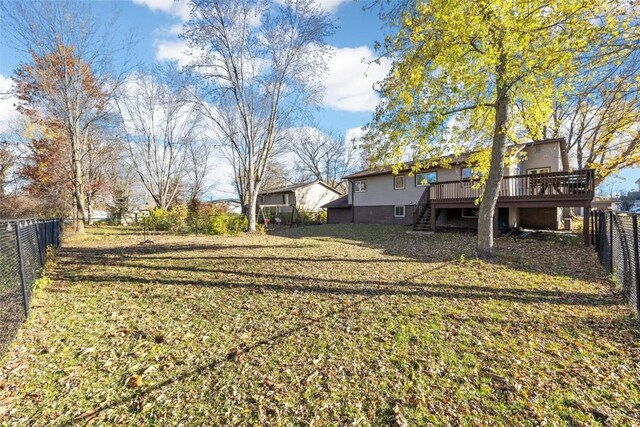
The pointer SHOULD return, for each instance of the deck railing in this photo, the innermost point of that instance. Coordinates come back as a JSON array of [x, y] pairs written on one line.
[[579, 184]]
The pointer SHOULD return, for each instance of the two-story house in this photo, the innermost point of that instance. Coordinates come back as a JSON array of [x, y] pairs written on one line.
[[532, 194]]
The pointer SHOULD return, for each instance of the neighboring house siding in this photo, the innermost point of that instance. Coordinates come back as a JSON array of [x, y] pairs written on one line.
[[312, 197], [277, 198]]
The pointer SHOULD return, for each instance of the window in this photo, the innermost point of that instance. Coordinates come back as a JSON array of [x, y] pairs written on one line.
[[470, 212], [285, 198], [360, 186], [398, 211], [534, 171], [466, 173], [398, 182], [425, 178], [261, 199]]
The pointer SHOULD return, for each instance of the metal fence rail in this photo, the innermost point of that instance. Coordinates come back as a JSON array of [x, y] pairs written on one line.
[[23, 245], [616, 240]]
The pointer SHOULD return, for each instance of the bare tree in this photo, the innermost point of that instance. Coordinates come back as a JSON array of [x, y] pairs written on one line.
[[198, 167], [7, 161], [100, 166], [68, 75], [323, 155], [260, 66], [159, 123]]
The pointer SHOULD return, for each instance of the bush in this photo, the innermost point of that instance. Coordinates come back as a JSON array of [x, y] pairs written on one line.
[[178, 217], [227, 224], [164, 220], [159, 219]]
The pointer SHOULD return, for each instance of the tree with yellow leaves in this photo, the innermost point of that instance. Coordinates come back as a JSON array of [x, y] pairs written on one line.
[[461, 67]]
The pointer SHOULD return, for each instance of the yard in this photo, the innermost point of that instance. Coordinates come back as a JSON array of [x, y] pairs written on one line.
[[324, 325]]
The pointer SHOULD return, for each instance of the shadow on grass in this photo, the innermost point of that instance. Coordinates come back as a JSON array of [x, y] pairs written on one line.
[[234, 355], [529, 255], [310, 284]]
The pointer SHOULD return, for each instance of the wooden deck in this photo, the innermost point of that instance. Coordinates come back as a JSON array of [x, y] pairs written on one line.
[[556, 189]]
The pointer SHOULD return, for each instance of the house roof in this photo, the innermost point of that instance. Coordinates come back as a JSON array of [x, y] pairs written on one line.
[[223, 201], [339, 203], [294, 187], [456, 160]]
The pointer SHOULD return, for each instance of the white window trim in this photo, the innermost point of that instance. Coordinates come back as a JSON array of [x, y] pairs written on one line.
[[395, 212], [355, 186], [404, 182]]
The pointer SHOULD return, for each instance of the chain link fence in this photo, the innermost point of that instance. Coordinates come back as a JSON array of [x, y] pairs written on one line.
[[23, 245], [615, 236]]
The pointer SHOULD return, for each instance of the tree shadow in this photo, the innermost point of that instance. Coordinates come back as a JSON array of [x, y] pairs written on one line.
[[294, 283], [527, 254]]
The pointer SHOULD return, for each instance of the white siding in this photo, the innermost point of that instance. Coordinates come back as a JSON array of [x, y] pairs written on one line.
[[311, 197]]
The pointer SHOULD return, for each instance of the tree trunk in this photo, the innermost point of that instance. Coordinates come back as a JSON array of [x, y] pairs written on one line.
[[251, 214], [485, 247], [78, 188], [89, 208]]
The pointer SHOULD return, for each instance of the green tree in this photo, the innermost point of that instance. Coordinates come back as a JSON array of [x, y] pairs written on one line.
[[460, 68]]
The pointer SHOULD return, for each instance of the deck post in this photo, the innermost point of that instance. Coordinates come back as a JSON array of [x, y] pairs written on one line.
[[585, 224]]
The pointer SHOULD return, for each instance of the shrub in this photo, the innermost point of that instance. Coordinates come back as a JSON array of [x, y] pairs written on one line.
[[227, 224], [164, 220], [159, 219], [178, 217]]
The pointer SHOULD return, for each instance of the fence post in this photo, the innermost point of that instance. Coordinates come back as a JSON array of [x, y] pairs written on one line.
[[41, 245], [611, 242], [636, 258], [23, 276]]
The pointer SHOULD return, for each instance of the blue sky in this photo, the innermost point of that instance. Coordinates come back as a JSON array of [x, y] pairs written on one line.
[[349, 98]]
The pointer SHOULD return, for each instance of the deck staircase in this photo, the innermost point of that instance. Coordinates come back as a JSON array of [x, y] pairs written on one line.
[[422, 215]]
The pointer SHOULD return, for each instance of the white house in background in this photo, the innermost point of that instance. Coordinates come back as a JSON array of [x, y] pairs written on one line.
[[231, 205], [305, 197]]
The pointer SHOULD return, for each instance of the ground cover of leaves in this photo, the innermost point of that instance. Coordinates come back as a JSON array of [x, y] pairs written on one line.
[[324, 325]]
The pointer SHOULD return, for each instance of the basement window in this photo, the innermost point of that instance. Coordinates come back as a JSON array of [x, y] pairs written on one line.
[[470, 213], [398, 211]]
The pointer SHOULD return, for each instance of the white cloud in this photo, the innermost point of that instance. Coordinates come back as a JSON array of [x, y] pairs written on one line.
[[7, 109], [178, 8], [353, 135], [168, 50], [349, 83]]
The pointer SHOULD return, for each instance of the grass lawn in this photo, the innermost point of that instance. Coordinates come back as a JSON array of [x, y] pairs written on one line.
[[324, 325]]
